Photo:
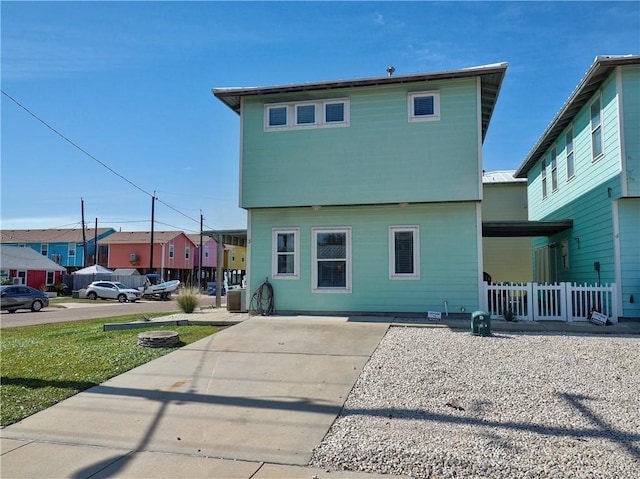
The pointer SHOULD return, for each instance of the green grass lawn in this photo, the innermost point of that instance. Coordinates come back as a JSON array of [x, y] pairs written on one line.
[[42, 365]]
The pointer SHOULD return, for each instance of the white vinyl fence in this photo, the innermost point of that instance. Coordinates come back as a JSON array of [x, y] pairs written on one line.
[[559, 301]]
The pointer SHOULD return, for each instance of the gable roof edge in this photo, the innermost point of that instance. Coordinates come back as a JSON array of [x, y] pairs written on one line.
[[599, 71]]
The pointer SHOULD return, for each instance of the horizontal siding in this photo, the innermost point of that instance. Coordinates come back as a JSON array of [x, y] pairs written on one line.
[[629, 221], [504, 201], [631, 115], [589, 174], [448, 247], [380, 157], [507, 259], [590, 239]]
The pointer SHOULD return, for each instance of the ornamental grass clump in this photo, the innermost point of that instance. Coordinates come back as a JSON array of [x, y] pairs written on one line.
[[188, 299]]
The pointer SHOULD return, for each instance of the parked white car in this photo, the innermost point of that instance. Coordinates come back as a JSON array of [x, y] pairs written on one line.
[[112, 290]]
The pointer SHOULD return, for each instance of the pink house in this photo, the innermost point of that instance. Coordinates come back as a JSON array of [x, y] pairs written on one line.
[[174, 253]]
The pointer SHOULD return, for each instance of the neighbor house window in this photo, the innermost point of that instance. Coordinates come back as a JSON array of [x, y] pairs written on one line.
[[187, 252], [544, 177], [404, 252], [44, 249], [285, 261], [331, 259], [424, 106], [596, 128], [72, 251], [571, 164], [307, 114], [554, 169], [171, 251], [51, 277], [206, 251]]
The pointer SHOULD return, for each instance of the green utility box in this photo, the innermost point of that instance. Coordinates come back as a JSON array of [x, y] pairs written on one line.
[[480, 323]]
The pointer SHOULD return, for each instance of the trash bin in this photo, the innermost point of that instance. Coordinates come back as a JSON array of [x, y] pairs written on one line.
[[481, 323]]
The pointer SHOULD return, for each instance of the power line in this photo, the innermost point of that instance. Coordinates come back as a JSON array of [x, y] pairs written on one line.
[[94, 158], [73, 144]]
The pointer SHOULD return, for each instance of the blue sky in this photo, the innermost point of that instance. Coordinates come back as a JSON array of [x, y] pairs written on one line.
[[130, 83]]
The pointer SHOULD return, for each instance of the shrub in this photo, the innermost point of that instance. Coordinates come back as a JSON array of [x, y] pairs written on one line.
[[188, 299]]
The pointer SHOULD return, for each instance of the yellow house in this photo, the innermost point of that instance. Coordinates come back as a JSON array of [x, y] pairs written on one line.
[[505, 198]]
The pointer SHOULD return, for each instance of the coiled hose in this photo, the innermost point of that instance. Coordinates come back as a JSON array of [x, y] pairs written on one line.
[[262, 300]]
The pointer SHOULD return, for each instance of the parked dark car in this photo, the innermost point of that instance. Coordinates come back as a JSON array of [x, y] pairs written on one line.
[[14, 297]]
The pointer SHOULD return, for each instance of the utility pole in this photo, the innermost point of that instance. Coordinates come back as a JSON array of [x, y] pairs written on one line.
[[200, 251], [95, 244], [153, 207], [84, 237]]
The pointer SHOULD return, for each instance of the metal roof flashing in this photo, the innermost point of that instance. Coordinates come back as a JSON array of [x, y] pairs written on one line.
[[491, 76], [599, 71]]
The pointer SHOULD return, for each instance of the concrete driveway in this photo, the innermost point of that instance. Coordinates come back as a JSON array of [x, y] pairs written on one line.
[[261, 393]]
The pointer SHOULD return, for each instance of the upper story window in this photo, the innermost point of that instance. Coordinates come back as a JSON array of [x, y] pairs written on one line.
[[307, 114], [424, 106], [72, 250], [597, 147], [571, 162], [554, 169], [285, 262], [187, 252], [206, 251], [44, 249], [171, 251], [544, 177]]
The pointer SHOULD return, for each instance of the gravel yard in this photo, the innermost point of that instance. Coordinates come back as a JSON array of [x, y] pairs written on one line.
[[435, 403]]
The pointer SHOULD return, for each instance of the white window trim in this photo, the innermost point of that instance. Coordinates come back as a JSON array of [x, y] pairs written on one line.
[[543, 177], [416, 253], [553, 160], [314, 260], [600, 126], [320, 120], [296, 253], [436, 106], [44, 249], [72, 247], [570, 134]]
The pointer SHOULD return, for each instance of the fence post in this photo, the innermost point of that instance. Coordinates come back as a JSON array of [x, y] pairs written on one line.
[[484, 293], [534, 301], [565, 300]]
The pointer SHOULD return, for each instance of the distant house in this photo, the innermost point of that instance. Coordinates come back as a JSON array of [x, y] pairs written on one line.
[[173, 253], [209, 257], [585, 169], [63, 246], [365, 195], [22, 265], [505, 258]]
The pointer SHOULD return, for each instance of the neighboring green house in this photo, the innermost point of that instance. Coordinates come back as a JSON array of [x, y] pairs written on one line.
[[586, 168], [363, 196]]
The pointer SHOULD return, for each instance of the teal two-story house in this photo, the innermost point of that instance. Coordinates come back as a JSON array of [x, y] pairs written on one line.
[[586, 168], [363, 196]]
